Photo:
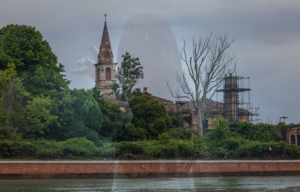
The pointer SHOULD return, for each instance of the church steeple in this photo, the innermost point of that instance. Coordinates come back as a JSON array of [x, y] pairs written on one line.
[[105, 53], [105, 68]]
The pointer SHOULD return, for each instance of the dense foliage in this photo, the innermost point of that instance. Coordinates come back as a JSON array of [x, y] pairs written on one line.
[[258, 132], [176, 117], [129, 73], [117, 92], [78, 115], [149, 114], [33, 58], [40, 117], [164, 148]]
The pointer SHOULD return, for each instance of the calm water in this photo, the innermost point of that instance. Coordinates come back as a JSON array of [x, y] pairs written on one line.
[[232, 184]]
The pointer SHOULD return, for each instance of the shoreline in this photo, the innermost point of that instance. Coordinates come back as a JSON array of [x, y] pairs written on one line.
[[146, 169]]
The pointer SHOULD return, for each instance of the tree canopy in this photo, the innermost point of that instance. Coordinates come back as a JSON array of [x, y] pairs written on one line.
[[257, 132], [117, 92], [149, 114], [78, 115], [129, 73], [20, 114], [33, 58]]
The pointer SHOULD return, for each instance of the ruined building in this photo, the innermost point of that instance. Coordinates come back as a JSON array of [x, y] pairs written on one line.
[[233, 108]]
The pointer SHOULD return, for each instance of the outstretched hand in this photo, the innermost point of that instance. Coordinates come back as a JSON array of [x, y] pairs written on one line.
[[88, 63]]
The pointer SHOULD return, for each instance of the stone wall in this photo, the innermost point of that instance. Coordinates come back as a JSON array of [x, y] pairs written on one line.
[[106, 169]]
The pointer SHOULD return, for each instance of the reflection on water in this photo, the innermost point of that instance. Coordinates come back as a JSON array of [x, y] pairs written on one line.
[[233, 184]]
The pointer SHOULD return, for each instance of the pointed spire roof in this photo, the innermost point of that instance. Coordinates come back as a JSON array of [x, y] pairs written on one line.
[[105, 53]]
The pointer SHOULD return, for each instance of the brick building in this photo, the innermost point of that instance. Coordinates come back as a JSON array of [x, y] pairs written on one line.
[[159, 99], [190, 114], [292, 134]]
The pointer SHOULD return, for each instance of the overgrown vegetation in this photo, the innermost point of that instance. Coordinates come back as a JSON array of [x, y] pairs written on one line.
[[164, 148], [42, 118]]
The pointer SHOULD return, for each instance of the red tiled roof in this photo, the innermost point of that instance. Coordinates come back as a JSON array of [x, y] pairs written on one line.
[[189, 106], [170, 107], [105, 52], [214, 105], [120, 103], [161, 100]]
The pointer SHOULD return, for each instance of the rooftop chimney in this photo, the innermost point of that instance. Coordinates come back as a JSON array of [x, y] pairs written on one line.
[[145, 89]]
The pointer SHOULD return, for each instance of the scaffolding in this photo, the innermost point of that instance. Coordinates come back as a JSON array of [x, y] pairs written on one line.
[[236, 100]]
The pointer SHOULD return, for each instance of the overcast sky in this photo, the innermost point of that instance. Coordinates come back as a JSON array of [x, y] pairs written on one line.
[[267, 37]]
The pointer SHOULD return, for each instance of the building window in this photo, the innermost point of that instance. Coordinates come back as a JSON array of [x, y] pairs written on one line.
[[98, 74], [108, 73], [298, 139], [293, 139], [205, 124]]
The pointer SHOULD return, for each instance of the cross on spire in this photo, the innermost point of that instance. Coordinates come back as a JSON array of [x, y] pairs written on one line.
[[105, 16]]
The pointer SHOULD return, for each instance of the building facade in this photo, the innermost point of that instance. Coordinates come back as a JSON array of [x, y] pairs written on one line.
[[291, 135]]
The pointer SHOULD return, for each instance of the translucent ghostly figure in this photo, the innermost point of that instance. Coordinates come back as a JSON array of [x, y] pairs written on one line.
[[89, 68], [149, 37]]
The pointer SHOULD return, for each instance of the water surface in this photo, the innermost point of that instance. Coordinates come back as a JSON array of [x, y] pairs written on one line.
[[232, 184]]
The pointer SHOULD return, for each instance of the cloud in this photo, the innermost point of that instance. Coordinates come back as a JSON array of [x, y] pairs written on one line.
[[266, 32]]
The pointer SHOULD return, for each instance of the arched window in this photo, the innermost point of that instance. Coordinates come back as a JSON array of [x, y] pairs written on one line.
[[298, 139], [108, 73], [98, 74], [293, 139]]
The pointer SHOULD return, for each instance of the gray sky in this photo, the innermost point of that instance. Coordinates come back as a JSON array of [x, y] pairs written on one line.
[[267, 37]]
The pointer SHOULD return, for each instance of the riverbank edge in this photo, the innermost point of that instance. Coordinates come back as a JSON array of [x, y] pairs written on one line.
[[145, 169]]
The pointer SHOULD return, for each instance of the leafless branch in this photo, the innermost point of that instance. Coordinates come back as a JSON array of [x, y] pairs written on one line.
[[206, 68]]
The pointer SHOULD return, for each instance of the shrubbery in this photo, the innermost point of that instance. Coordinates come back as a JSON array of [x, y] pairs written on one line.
[[180, 133], [40, 117], [17, 149], [173, 144], [165, 148]]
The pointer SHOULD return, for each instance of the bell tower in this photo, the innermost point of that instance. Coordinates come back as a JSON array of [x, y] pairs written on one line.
[[105, 69]]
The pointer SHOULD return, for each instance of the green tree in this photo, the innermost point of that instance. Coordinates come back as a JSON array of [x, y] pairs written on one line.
[[3, 131], [130, 133], [34, 60], [31, 117], [79, 115], [221, 131], [12, 100], [149, 114], [176, 117], [113, 117], [164, 138], [117, 92], [180, 133], [256, 132], [38, 117], [129, 73], [283, 128]]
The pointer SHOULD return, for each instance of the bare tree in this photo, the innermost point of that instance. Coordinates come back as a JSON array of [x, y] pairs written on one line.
[[206, 68]]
